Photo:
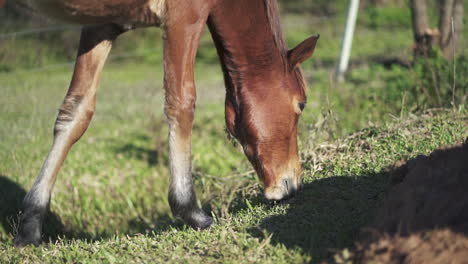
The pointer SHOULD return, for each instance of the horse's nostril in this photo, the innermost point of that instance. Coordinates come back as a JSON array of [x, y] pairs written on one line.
[[286, 184], [289, 187], [284, 191]]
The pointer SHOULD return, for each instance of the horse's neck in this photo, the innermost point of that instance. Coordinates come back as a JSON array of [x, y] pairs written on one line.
[[248, 40]]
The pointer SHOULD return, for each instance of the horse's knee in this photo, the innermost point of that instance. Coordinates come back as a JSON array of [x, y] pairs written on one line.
[[180, 110], [74, 116]]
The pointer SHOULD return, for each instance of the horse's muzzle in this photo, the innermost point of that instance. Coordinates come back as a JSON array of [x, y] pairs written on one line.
[[285, 190]]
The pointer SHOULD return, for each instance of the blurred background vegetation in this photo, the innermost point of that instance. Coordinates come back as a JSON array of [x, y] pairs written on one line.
[[381, 57], [384, 79]]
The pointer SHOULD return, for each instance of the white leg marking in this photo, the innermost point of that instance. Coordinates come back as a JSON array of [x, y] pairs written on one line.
[[180, 164], [64, 126]]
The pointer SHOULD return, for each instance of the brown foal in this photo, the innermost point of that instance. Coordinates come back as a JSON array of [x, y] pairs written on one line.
[[265, 90]]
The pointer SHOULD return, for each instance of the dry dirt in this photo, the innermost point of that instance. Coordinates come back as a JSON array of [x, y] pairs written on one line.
[[424, 217]]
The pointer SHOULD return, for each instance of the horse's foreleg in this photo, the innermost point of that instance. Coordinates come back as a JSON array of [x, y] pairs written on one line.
[[73, 119], [180, 46]]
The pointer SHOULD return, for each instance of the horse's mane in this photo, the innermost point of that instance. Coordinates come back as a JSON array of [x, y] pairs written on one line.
[[275, 25]]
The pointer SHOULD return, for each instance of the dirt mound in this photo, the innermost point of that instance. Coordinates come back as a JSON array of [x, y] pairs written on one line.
[[430, 191], [439, 246], [424, 218]]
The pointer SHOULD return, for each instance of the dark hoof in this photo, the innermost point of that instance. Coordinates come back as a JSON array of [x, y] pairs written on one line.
[[29, 232], [197, 219], [22, 241], [189, 211]]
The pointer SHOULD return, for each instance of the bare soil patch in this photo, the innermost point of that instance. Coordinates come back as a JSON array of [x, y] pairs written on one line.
[[424, 217]]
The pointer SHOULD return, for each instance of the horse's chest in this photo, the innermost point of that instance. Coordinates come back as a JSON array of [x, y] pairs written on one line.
[[136, 12]]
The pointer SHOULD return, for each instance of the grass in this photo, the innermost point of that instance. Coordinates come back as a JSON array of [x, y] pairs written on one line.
[[110, 201], [110, 204]]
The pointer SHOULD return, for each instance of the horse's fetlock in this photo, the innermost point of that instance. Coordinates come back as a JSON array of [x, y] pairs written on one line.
[[182, 203]]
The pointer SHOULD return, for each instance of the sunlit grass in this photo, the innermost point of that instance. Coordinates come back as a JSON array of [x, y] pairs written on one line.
[[113, 186]]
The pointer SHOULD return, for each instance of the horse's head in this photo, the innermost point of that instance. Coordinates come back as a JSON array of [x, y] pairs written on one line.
[[264, 120]]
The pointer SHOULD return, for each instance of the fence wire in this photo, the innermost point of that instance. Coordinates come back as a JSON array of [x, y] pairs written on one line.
[[39, 30], [69, 64]]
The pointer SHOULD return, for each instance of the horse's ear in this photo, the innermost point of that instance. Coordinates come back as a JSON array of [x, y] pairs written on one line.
[[302, 52]]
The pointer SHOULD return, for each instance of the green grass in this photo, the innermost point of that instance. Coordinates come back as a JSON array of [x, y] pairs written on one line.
[[110, 204], [110, 201]]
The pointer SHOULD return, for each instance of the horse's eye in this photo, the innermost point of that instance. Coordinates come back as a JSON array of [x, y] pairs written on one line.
[[301, 106]]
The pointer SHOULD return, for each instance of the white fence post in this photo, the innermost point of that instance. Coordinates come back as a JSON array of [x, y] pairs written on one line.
[[347, 40]]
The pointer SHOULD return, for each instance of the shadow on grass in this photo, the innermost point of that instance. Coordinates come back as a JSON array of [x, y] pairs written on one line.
[[141, 147], [425, 195], [10, 203], [12, 195], [327, 214], [132, 151], [10, 207]]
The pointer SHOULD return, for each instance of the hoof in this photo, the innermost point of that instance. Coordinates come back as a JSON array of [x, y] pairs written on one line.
[[197, 219], [190, 212], [30, 228], [22, 241]]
